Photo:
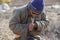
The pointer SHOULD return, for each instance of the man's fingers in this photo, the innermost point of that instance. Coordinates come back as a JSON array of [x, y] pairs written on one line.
[[31, 27]]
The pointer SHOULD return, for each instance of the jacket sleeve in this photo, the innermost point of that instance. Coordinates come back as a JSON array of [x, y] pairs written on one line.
[[43, 23], [15, 24]]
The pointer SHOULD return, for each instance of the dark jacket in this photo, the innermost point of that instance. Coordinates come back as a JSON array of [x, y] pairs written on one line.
[[21, 19]]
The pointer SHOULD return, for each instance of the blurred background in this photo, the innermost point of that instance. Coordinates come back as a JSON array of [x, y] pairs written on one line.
[[52, 9]]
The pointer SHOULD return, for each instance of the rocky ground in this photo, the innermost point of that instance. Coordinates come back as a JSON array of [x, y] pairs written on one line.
[[52, 32]]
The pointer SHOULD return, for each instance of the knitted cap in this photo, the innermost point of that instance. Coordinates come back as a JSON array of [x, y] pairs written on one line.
[[36, 5]]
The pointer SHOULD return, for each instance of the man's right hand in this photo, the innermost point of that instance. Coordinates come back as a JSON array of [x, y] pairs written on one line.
[[31, 26]]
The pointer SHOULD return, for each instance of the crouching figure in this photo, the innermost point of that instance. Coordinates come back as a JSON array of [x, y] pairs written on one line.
[[28, 21]]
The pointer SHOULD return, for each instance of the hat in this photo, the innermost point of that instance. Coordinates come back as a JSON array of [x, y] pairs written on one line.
[[36, 5]]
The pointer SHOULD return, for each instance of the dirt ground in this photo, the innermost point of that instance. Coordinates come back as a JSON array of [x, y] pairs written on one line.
[[52, 32]]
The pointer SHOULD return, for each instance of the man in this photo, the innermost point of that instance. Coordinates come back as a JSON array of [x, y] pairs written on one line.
[[29, 21]]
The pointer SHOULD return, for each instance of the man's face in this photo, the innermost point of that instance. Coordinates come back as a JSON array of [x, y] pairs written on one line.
[[34, 14]]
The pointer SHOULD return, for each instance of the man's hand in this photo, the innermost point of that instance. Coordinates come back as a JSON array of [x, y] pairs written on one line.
[[31, 26]]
